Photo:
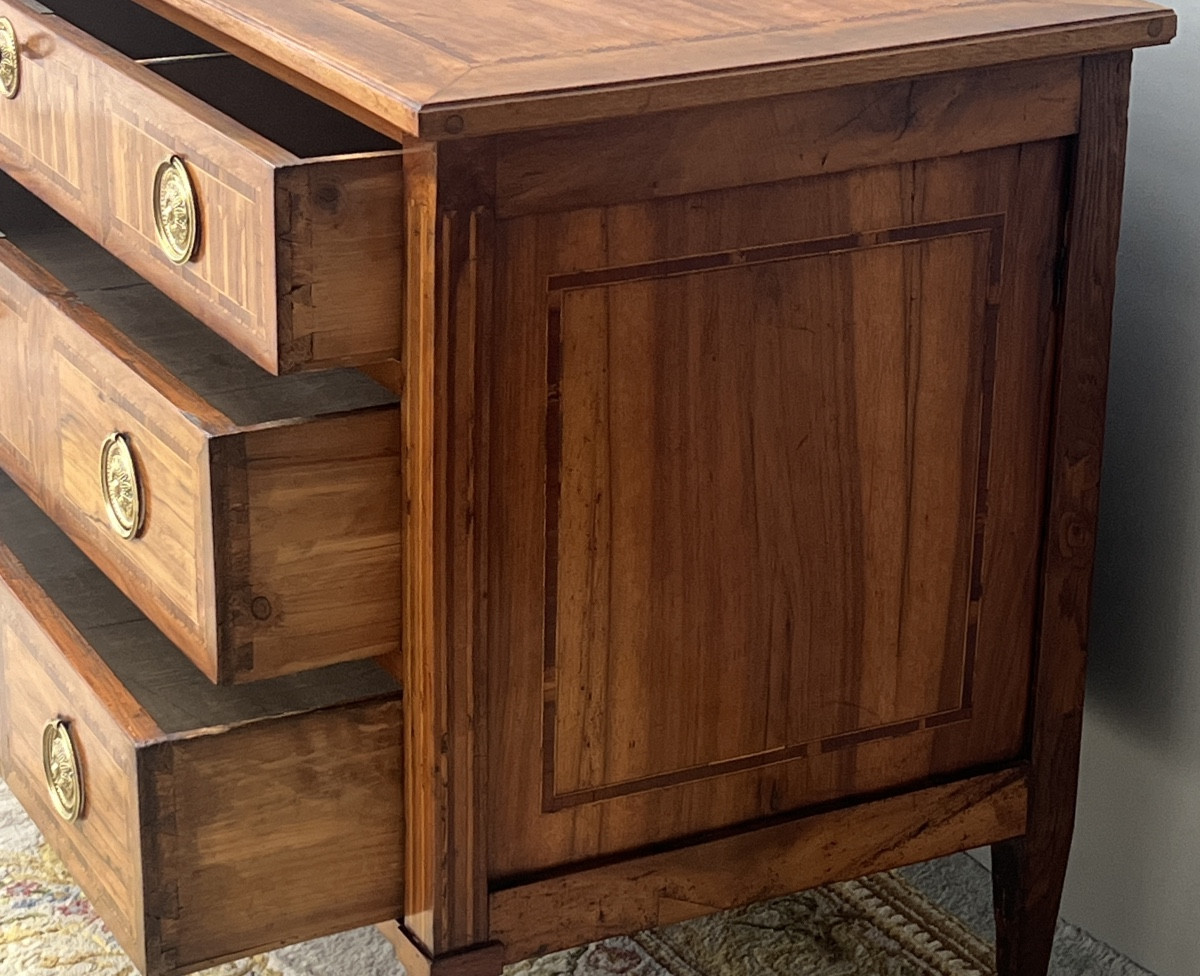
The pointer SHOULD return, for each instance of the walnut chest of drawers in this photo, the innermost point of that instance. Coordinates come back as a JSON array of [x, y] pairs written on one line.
[[554, 468]]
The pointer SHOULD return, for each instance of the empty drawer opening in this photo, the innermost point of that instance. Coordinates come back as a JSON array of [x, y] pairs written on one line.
[[132, 30], [289, 118]]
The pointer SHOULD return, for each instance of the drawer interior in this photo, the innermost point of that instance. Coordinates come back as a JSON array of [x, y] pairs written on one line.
[[131, 29], [289, 118], [171, 690], [181, 343]]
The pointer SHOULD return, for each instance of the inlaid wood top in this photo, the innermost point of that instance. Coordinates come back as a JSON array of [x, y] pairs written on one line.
[[467, 67]]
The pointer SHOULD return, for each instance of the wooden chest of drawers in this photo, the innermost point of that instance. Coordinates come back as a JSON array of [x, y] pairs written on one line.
[[717, 478]]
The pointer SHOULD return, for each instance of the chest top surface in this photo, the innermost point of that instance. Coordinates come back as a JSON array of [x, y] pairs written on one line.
[[471, 67]]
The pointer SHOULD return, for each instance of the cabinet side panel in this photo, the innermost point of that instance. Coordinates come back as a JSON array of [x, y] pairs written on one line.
[[779, 453], [766, 477]]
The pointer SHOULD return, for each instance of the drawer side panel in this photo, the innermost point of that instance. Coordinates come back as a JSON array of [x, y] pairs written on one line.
[[340, 228], [279, 833], [320, 557]]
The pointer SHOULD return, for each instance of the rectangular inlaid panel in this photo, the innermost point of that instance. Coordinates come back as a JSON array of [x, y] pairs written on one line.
[[766, 477], [764, 469]]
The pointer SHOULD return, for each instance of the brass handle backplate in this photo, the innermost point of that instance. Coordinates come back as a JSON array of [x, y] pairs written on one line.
[[60, 761], [10, 60], [121, 486], [176, 219]]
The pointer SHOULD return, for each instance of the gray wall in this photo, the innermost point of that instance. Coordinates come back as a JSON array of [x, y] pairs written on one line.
[[1134, 878]]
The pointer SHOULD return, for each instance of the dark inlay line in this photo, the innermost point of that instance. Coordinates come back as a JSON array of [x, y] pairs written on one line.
[[553, 802], [554, 438], [678, 777], [868, 735], [994, 224], [948, 718], [769, 253], [968, 692]]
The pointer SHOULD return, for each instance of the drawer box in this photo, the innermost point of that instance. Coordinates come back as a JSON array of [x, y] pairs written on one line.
[[211, 822], [290, 245], [267, 535]]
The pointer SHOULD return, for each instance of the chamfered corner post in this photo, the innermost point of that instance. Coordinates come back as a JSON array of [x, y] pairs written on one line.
[[444, 930]]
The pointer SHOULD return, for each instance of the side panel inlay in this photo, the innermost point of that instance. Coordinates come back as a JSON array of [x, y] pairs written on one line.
[[766, 482]]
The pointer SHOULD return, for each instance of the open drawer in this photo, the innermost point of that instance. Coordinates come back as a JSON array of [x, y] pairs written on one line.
[[203, 823], [273, 218], [254, 519]]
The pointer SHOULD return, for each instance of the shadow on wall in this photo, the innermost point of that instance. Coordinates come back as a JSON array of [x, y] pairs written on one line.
[[1145, 669]]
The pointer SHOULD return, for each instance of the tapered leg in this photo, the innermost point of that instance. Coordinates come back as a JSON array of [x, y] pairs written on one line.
[[1028, 872], [1027, 888], [1027, 896]]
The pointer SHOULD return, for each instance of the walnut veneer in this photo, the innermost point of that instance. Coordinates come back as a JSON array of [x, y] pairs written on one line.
[[722, 495]]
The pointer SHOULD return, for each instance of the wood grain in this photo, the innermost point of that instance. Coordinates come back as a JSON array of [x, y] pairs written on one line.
[[444, 377], [755, 865], [725, 418], [297, 270], [794, 136], [1029, 871], [271, 542], [745, 481], [764, 491], [485, 960], [479, 68], [195, 816], [288, 837]]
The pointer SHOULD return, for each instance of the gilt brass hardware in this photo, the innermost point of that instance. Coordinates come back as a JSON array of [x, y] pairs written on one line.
[[121, 487], [175, 213], [60, 761], [10, 60]]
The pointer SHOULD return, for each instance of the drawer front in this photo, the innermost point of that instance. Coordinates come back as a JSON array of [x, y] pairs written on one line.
[[258, 548], [194, 813], [295, 261]]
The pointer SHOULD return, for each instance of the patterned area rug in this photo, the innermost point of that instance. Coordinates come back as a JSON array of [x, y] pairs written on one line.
[[885, 925]]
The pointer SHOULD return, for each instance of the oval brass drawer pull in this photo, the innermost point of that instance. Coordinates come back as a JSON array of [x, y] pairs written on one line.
[[60, 761], [175, 214], [121, 486], [10, 59]]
